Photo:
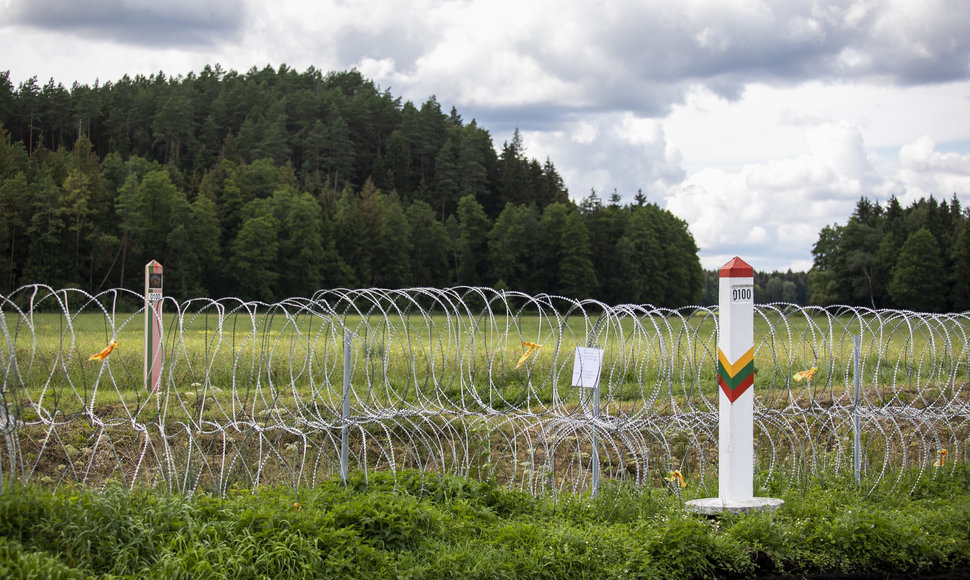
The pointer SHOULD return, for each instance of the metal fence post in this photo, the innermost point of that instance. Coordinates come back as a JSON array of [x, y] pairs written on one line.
[[595, 455], [345, 413], [857, 381]]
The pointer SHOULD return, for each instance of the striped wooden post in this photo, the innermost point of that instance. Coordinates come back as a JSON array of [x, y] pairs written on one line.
[[154, 351]]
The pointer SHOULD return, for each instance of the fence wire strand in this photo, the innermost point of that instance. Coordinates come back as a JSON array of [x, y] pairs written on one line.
[[252, 393]]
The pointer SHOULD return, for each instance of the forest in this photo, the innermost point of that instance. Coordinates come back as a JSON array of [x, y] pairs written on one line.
[[890, 256], [275, 183]]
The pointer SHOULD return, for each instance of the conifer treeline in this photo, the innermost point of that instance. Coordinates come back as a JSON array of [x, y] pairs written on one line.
[[889, 256], [275, 183]]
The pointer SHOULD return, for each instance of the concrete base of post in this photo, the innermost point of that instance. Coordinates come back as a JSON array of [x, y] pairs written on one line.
[[714, 505]]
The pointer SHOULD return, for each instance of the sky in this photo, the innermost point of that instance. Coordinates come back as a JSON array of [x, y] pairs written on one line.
[[756, 122]]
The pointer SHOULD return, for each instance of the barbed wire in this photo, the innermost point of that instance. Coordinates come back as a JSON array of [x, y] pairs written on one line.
[[253, 393]]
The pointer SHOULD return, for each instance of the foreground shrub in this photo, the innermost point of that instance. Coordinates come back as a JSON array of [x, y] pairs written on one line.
[[429, 526]]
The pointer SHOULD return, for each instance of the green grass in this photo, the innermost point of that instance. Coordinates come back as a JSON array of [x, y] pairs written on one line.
[[269, 360], [422, 525]]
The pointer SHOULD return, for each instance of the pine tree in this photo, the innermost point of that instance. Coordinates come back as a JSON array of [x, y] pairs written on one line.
[[174, 126], [472, 243], [576, 276], [474, 150], [206, 252], [273, 142], [564, 253], [259, 179], [918, 278], [180, 260], [606, 226], [512, 248], [338, 151], [254, 253], [14, 217], [392, 261], [79, 206], [960, 279], [301, 242], [641, 251], [45, 231], [679, 264], [446, 179], [153, 210], [430, 247], [823, 279]]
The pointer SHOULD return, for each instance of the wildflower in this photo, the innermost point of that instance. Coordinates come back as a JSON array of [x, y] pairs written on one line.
[[297, 506], [942, 460], [807, 375], [532, 347], [104, 353], [676, 475]]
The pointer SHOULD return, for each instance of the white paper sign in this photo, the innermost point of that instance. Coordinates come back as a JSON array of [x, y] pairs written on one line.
[[154, 296], [586, 367]]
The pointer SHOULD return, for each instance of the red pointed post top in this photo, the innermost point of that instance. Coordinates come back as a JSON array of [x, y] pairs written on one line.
[[737, 268]]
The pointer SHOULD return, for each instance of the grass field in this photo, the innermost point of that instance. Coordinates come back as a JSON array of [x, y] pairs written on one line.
[[279, 358]]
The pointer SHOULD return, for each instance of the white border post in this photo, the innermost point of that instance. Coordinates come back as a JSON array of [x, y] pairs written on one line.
[[735, 379], [154, 349], [735, 376]]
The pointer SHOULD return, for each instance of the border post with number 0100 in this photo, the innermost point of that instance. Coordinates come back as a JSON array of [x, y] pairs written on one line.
[[735, 377], [735, 381]]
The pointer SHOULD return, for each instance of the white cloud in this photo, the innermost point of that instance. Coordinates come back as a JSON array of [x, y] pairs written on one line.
[[925, 171], [775, 209], [921, 155], [608, 152], [776, 204]]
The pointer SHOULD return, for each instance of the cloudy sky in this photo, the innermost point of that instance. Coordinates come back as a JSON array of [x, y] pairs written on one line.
[[757, 122]]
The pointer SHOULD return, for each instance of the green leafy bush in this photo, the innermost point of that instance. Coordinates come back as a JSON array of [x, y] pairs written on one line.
[[419, 525]]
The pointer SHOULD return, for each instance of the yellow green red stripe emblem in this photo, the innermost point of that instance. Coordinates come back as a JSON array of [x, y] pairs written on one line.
[[735, 378]]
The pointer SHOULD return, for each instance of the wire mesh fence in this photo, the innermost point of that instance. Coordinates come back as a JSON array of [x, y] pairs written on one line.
[[466, 381]]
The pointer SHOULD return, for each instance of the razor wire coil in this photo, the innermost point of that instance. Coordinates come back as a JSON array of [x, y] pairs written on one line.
[[253, 392]]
